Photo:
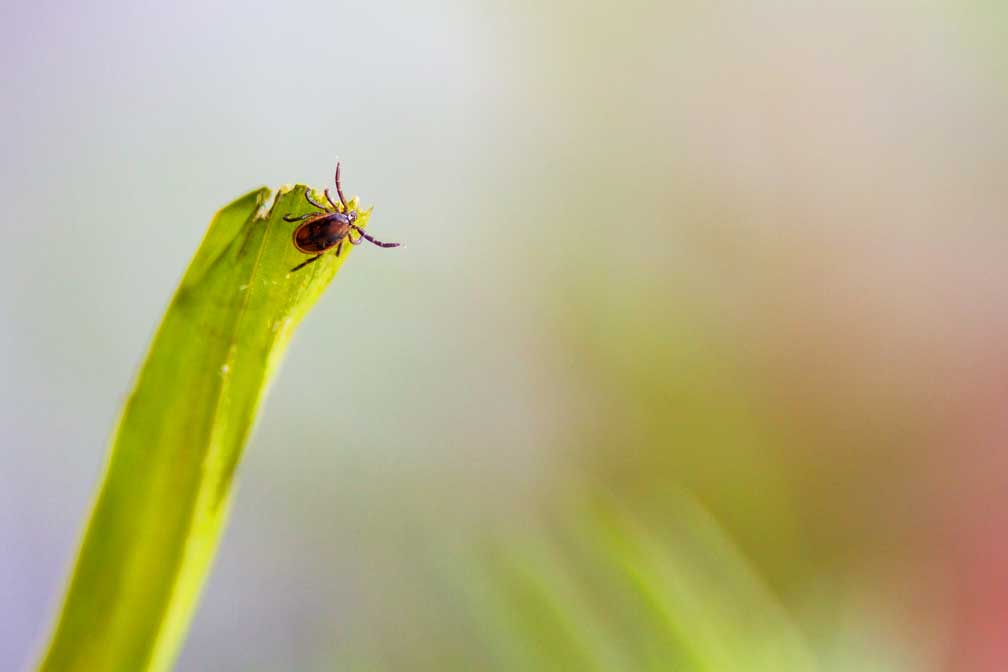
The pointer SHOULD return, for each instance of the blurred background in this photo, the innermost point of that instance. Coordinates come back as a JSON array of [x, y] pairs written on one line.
[[695, 357]]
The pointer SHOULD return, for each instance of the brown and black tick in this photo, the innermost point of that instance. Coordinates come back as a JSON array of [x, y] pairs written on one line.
[[322, 231]]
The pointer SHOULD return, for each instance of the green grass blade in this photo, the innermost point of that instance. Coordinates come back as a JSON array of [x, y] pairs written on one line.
[[162, 506]]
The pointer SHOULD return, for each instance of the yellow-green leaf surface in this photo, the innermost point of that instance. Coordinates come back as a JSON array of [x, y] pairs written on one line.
[[161, 508]]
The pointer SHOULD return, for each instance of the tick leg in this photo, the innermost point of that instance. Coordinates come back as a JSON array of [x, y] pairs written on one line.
[[289, 218], [329, 198], [339, 189], [308, 197], [368, 238], [305, 263], [339, 247]]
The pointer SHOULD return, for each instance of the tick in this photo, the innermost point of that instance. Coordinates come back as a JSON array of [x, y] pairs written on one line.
[[322, 231]]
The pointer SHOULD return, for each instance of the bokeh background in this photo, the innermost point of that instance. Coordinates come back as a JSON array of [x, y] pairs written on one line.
[[695, 357]]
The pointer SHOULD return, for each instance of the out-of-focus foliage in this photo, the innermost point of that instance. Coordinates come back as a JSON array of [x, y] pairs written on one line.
[[595, 588], [674, 539]]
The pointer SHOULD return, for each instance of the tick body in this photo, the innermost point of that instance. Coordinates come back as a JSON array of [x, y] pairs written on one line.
[[322, 231]]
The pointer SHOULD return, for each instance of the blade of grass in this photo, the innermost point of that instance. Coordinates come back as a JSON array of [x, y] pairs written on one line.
[[164, 500]]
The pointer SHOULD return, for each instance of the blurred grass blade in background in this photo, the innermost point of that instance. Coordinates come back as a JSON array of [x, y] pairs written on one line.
[[595, 584], [161, 509]]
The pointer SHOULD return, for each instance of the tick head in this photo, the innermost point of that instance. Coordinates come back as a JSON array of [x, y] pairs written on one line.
[[352, 216]]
